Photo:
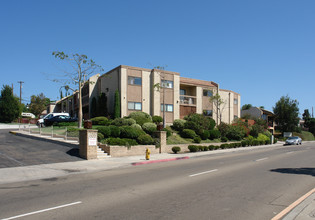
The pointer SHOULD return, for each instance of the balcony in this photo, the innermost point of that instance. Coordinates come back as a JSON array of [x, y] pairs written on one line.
[[187, 100]]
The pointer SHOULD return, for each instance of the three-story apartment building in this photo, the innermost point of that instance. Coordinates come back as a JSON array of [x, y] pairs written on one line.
[[152, 90]]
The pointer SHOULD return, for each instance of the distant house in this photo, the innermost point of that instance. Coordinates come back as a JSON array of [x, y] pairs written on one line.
[[255, 112]]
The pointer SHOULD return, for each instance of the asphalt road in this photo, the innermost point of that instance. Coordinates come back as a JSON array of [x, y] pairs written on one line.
[[256, 184], [19, 151]]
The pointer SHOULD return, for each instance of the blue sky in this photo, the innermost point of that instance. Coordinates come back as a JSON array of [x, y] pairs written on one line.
[[262, 49]]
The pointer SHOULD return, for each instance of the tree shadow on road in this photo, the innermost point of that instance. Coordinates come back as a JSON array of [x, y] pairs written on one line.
[[303, 171], [74, 152]]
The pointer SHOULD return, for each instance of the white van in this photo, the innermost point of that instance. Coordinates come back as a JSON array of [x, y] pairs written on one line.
[[40, 122]]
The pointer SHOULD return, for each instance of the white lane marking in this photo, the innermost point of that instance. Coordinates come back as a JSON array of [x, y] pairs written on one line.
[[290, 152], [197, 174], [265, 158], [43, 210]]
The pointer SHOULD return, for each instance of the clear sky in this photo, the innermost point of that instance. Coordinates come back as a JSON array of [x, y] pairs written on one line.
[[262, 49]]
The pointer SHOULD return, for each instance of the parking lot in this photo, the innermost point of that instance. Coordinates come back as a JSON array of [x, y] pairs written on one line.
[[20, 151]]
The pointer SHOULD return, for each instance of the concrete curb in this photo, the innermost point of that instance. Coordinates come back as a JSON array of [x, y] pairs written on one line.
[[47, 139], [159, 161]]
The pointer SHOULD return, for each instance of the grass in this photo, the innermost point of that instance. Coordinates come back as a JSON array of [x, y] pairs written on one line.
[[305, 135]]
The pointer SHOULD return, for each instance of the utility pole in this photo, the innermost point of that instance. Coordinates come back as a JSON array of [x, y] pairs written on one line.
[[20, 91]]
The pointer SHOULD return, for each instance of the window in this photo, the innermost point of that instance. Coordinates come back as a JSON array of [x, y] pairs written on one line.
[[134, 80], [167, 84], [207, 113], [168, 108], [235, 101], [182, 92], [207, 92], [134, 106]]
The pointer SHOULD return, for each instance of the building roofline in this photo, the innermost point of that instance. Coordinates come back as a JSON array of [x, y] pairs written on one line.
[[226, 90], [199, 82]]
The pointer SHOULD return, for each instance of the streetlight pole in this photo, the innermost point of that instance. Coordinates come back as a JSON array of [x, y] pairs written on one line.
[[20, 91]]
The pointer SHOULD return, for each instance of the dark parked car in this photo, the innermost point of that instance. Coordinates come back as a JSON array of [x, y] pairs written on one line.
[[293, 140], [59, 119]]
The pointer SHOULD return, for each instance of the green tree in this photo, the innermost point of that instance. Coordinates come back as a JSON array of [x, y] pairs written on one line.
[[117, 105], [10, 107], [306, 117], [286, 113], [80, 69], [246, 106], [102, 105], [38, 104], [93, 108]]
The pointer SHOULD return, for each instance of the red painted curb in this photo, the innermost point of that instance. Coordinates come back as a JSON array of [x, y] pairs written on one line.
[[158, 161]]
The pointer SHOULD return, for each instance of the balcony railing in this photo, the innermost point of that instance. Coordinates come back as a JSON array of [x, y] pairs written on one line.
[[187, 100]]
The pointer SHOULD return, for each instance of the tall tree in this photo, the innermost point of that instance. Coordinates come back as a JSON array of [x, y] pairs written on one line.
[[102, 105], [80, 69], [306, 117], [10, 107], [117, 105], [219, 105], [38, 104], [246, 106], [286, 113]]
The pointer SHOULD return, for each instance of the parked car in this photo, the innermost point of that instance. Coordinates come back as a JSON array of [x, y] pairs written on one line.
[[293, 140], [40, 121], [58, 119]]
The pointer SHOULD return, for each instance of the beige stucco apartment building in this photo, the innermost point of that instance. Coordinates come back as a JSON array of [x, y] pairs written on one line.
[[146, 90]]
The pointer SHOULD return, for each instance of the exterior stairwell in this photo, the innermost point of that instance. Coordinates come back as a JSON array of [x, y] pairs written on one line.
[[101, 154]]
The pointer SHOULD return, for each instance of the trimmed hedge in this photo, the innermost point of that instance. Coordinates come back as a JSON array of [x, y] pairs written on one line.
[[179, 124], [99, 120], [214, 134], [157, 119], [104, 130], [176, 149], [197, 139], [120, 141], [149, 127], [145, 139], [140, 117], [129, 132], [193, 148], [188, 133]]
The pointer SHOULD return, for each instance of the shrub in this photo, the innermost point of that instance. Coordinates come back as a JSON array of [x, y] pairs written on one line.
[[235, 133], [223, 146], [66, 124], [250, 140], [157, 119], [149, 127], [188, 133], [123, 122], [205, 135], [205, 148], [211, 147], [121, 141], [197, 139], [104, 130], [224, 139], [99, 120], [176, 149], [262, 137], [223, 128], [178, 124], [255, 142], [129, 132], [168, 132], [261, 142], [275, 140], [267, 142], [244, 143], [231, 145], [255, 130], [141, 117], [239, 144], [114, 131], [193, 148], [136, 126], [201, 121], [201, 148], [145, 139], [100, 137], [214, 134]]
